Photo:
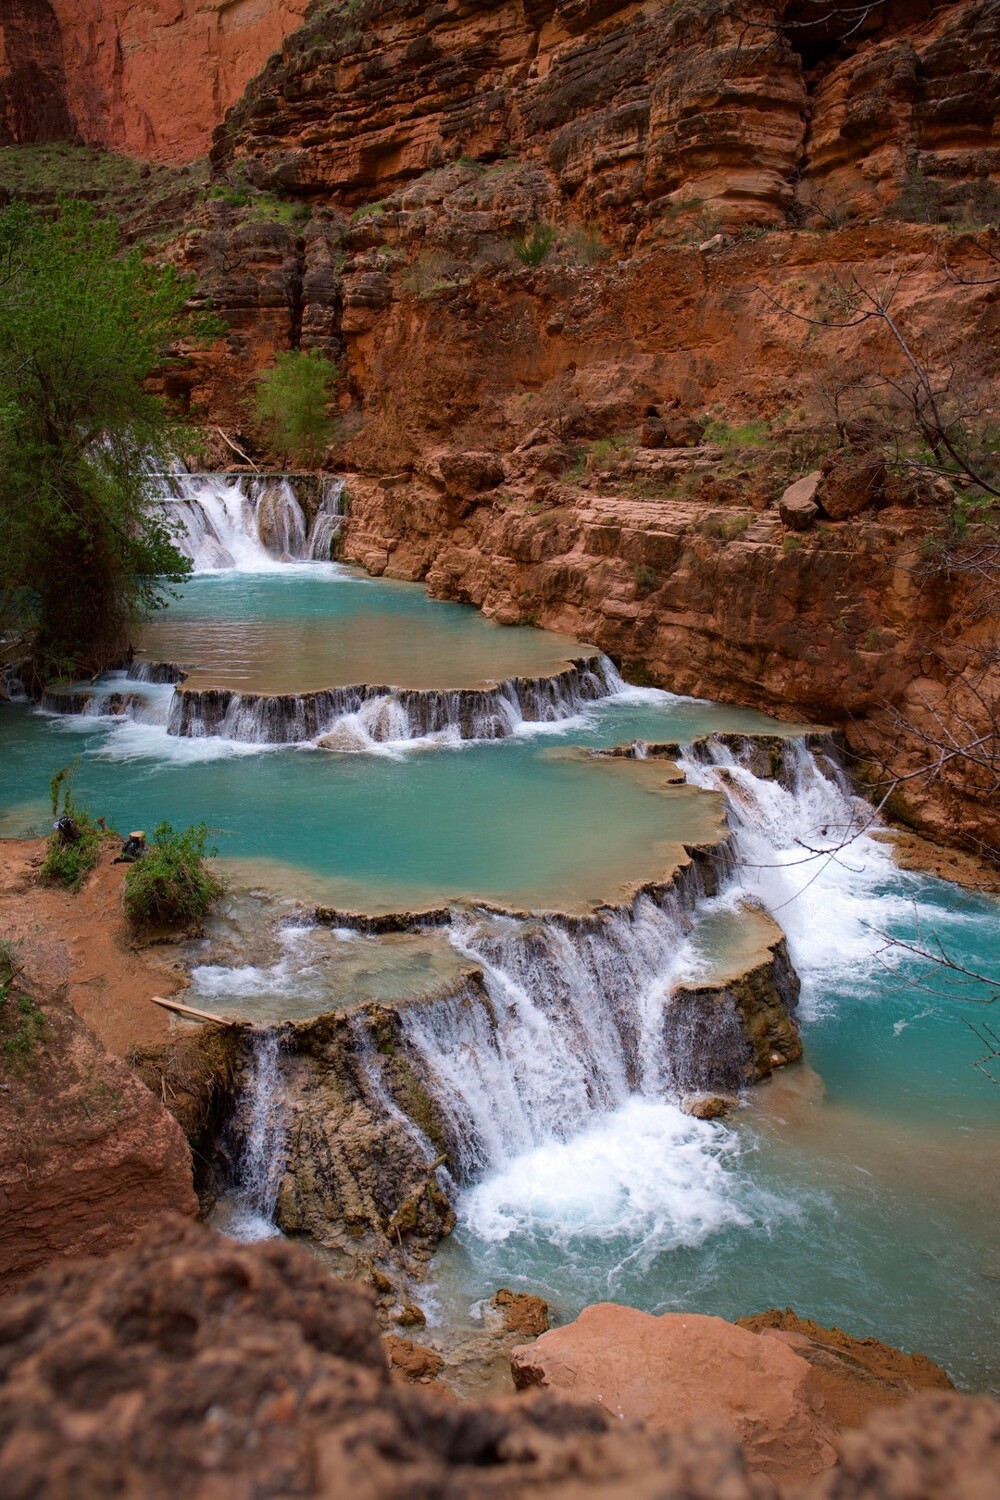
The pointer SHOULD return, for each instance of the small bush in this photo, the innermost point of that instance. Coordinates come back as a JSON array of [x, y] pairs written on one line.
[[919, 199], [725, 527], [534, 247], [170, 883], [367, 211], [645, 580], [608, 450], [72, 847], [584, 246]]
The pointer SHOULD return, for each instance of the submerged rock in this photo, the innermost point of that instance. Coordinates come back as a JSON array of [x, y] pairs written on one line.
[[706, 1106], [522, 1312]]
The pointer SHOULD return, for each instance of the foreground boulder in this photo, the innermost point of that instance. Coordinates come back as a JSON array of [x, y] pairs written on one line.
[[192, 1366], [764, 1387]]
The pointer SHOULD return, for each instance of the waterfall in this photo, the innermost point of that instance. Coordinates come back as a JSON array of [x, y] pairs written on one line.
[[328, 520], [261, 1112], [581, 1017], [361, 716], [250, 523], [804, 849]]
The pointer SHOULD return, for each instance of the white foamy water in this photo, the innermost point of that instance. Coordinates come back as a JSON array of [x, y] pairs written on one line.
[[247, 523], [806, 852], [247, 1211], [645, 1174]]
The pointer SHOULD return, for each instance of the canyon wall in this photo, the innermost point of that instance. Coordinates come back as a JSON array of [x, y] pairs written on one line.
[[636, 112], [718, 180], [150, 79]]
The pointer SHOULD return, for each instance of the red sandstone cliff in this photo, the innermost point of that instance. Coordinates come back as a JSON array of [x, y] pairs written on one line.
[[151, 79]]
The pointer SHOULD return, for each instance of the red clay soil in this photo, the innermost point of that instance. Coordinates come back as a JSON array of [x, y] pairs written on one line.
[[82, 939]]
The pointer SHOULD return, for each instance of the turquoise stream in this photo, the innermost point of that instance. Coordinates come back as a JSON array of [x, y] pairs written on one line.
[[859, 1188]]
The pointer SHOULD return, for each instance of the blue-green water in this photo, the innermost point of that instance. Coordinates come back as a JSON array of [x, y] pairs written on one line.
[[859, 1188], [300, 628]]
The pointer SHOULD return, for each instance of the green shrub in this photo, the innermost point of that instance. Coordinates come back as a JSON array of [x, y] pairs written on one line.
[[22, 1024], [645, 580], [171, 883], [367, 210], [725, 527], [534, 247], [919, 199], [73, 852], [292, 404]]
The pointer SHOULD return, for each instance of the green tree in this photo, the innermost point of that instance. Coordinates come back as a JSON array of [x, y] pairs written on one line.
[[292, 404], [83, 325]]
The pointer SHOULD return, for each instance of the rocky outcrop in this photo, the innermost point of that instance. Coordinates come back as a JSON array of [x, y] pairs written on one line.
[[360, 1136], [736, 1027], [522, 1313], [784, 1395], [852, 1374], [191, 1365], [149, 80], [89, 1157]]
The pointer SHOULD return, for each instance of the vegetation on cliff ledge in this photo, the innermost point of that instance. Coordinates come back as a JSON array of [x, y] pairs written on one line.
[[292, 404]]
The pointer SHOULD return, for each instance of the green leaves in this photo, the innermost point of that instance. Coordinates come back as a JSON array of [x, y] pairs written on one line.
[[292, 404], [171, 882], [84, 323]]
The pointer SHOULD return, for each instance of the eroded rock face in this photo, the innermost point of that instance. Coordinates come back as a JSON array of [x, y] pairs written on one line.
[[193, 1366], [352, 1173], [88, 1156], [635, 112]]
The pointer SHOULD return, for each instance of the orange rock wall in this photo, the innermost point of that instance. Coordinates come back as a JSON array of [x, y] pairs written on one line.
[[150, 79]]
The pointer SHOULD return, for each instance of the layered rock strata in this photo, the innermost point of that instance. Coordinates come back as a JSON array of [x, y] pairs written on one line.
[[634, 113]]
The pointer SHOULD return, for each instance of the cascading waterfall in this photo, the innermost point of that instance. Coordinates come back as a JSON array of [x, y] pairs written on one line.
[[245, 522], [262, 1113], [804, 849], [363, 715], [576, 1023], [579, 1056], [328, 520]]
